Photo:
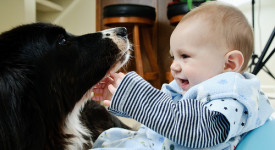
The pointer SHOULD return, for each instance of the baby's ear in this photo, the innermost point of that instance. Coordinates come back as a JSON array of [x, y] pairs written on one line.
[[233, 61]]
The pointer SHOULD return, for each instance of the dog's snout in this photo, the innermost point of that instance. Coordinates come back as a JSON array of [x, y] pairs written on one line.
[[121, 31]]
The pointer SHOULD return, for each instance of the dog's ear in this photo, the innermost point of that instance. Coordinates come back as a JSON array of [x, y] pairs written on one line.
[[233, 61]]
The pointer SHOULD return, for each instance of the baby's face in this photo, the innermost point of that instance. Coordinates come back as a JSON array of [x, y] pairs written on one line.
[[197, 53]]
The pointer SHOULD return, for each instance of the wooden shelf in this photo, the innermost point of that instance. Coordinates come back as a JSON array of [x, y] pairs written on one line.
[[47, 6]]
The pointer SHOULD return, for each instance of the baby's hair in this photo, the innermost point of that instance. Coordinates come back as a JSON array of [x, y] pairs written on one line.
[[228, 22]]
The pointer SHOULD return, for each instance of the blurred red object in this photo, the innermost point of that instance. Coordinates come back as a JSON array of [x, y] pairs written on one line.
[[173, 2]]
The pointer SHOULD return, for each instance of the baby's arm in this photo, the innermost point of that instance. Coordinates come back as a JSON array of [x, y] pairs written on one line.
[[188, 123]]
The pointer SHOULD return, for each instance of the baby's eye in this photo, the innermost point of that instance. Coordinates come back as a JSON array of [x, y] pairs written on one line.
[[172, 57], [185, 56]]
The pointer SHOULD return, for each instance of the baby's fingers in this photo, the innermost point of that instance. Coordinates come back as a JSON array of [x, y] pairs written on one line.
[[97, 90], [107, 102], [98, 94], [97, 98], [111, 88], [107, 80]]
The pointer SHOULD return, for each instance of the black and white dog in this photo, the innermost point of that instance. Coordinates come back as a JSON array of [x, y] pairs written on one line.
[[45, 77]]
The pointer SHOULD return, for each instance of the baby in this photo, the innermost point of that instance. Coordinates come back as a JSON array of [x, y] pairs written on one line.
[[212, 102]]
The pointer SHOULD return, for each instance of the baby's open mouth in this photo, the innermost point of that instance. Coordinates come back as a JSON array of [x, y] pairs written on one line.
[[184, 83]]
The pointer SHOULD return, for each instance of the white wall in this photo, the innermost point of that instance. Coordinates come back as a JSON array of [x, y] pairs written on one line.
[[79, 18], [16, 12]]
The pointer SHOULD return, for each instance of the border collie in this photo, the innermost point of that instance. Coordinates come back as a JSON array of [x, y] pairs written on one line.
[[45, 77]]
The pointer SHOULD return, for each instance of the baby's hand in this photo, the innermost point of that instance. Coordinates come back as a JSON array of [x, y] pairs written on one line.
[[107, 87], [101, 91]]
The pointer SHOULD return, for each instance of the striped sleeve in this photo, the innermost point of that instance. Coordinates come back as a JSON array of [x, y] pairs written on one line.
[[188, 123]]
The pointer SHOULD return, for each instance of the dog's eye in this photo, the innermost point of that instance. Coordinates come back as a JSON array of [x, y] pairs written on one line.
[[62, 41]]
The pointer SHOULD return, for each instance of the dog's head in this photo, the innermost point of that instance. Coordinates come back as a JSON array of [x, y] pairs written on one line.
[[60, 60], [44, 71]]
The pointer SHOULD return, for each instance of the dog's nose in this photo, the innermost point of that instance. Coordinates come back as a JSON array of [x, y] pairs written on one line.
[[121, 31]]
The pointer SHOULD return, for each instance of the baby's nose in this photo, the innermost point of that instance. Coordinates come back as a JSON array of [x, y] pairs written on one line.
[[175, 67]]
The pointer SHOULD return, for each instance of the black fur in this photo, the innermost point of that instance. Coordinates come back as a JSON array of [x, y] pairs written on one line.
[[44, 72]]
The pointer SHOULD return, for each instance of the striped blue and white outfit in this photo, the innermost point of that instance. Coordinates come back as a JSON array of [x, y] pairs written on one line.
[[214, 114]]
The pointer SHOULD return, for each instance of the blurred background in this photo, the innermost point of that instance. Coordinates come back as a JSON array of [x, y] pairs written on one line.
[[86, 16]]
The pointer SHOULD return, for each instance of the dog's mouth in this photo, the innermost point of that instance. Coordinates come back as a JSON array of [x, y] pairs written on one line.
[[119, 37], [121, 61]]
